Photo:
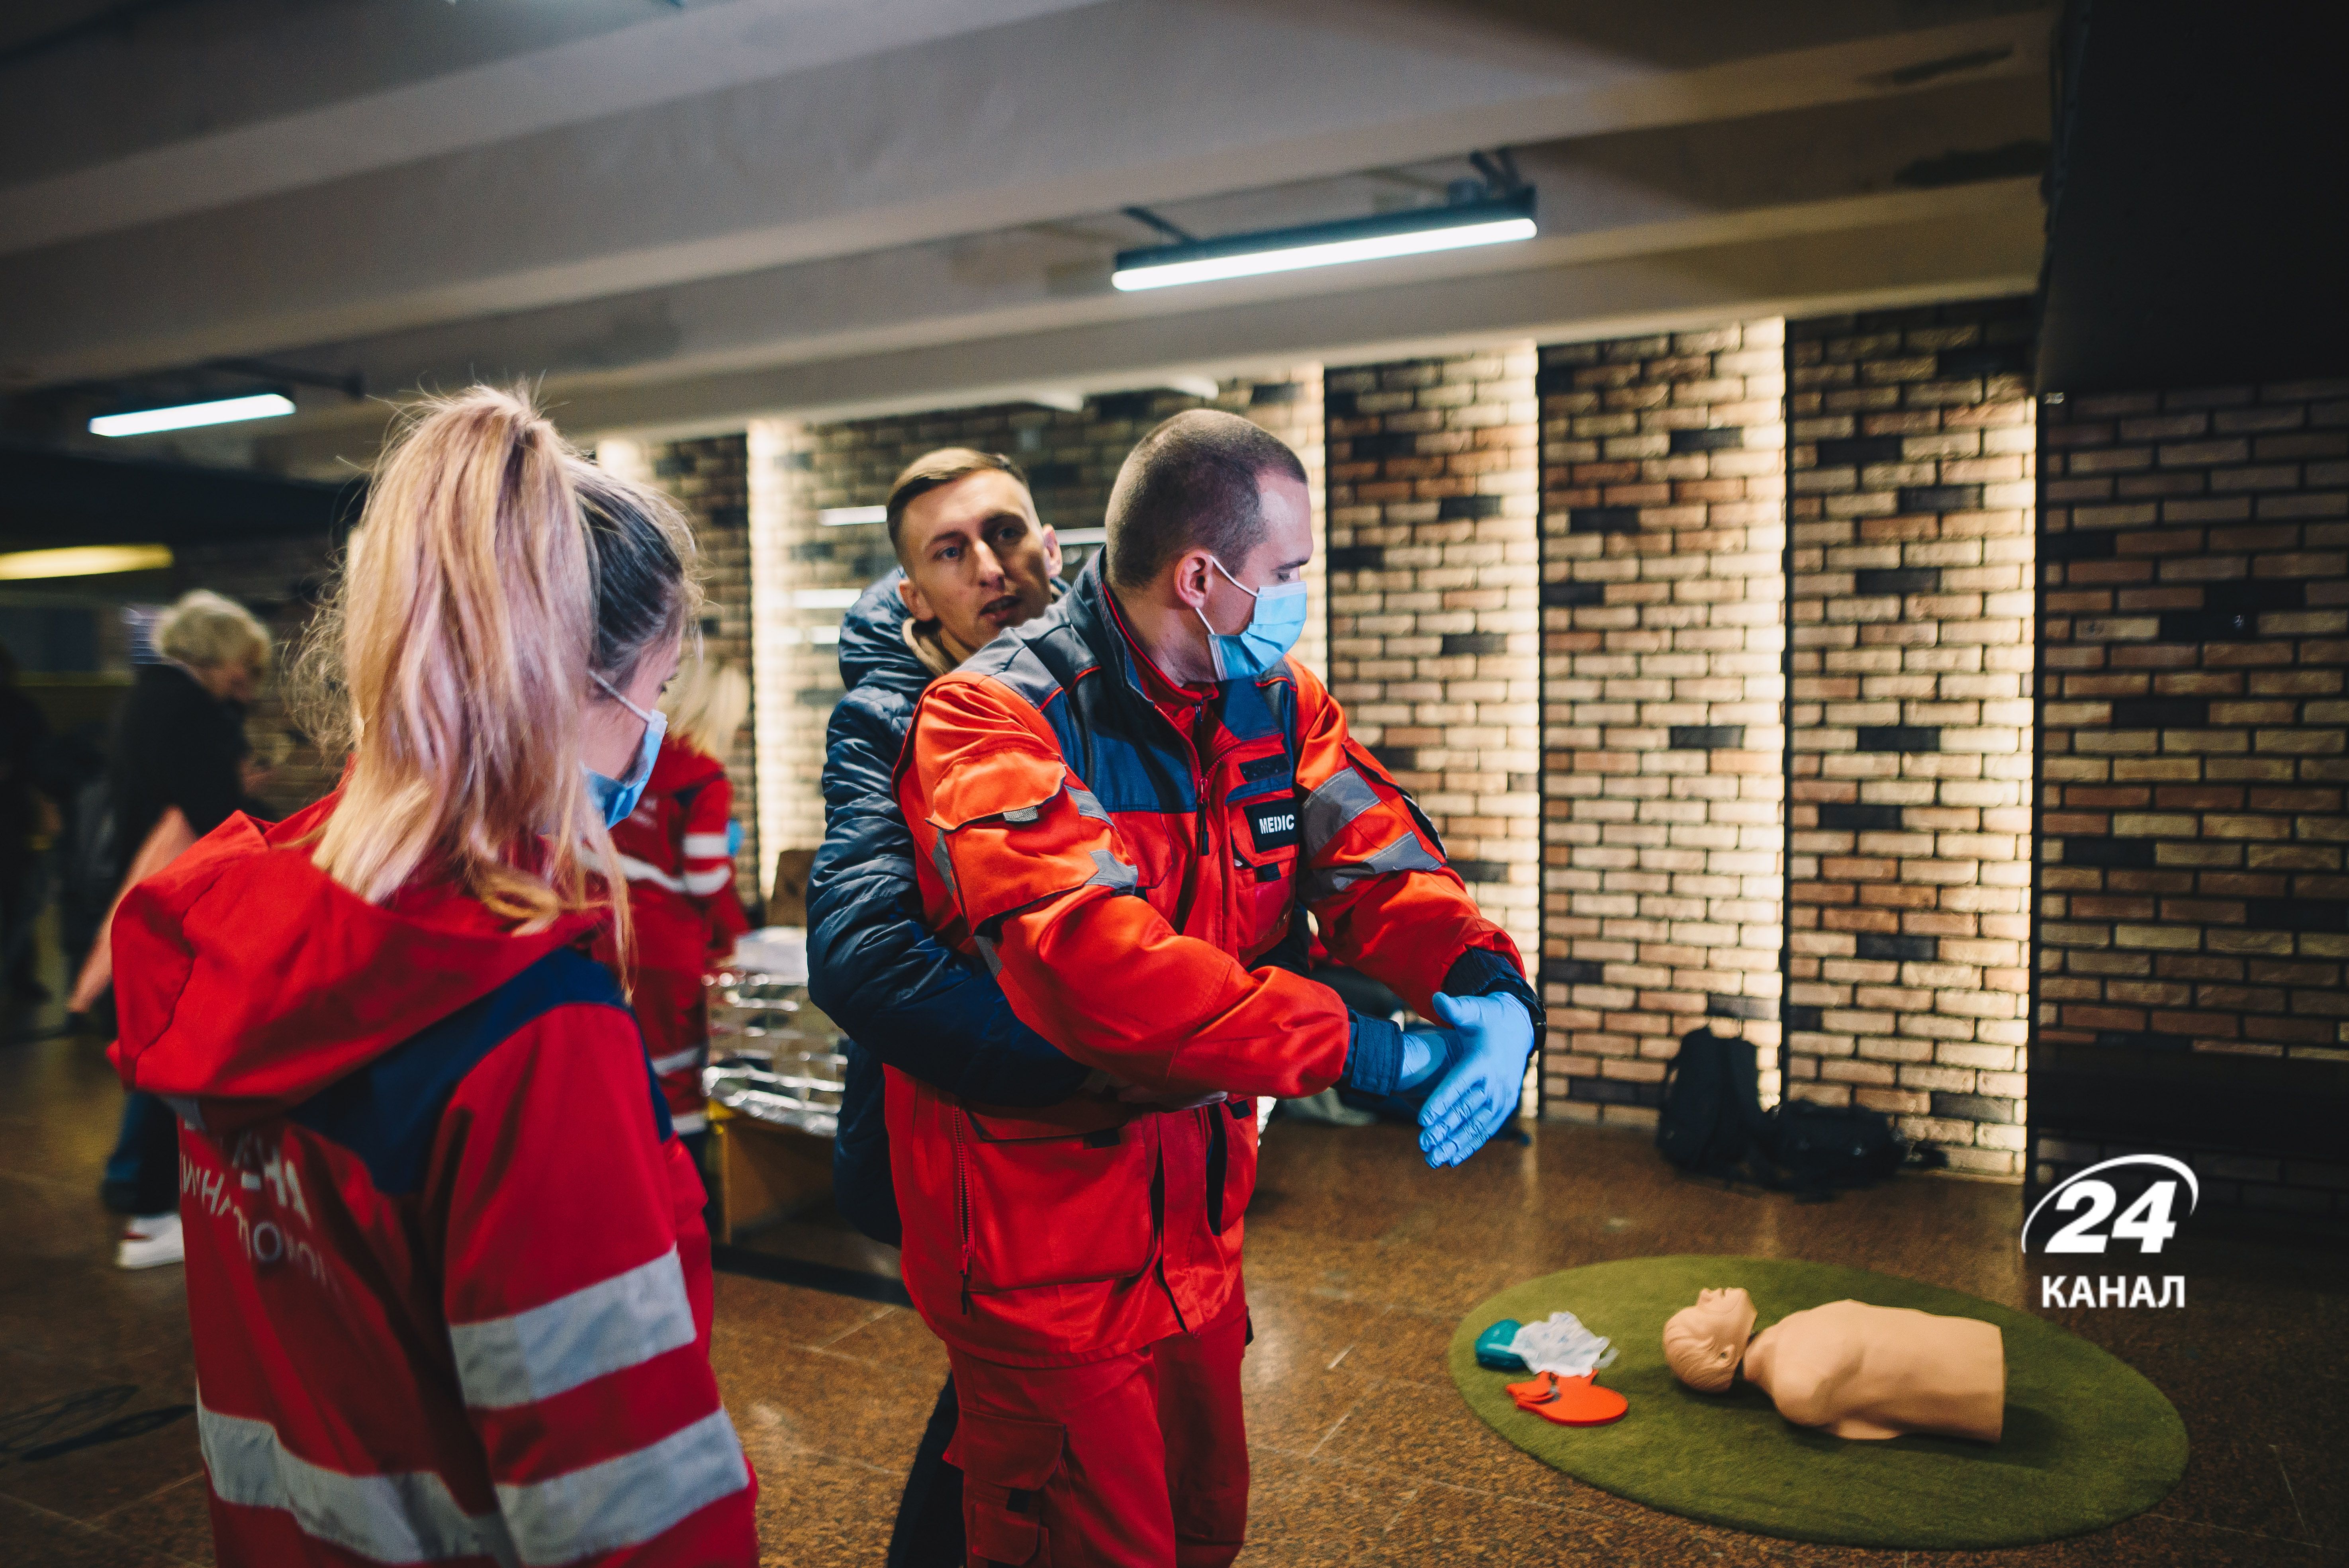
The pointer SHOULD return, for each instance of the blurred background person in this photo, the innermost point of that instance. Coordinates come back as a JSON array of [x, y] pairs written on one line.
[[28, 822], [675, 850], [179, 748]]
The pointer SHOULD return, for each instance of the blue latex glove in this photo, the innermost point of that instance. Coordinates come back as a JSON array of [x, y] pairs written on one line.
[[1480, 1090], [1425, 1054]]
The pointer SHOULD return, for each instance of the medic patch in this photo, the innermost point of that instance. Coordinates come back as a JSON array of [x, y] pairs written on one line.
[[1273, 823]]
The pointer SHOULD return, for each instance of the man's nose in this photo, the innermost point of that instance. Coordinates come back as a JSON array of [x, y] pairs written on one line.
[[990, 570]]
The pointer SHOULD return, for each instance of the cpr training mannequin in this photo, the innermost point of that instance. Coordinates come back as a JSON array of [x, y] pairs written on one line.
[[1853, 1370]]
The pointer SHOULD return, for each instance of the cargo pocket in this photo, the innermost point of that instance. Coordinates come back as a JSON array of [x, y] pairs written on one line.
[[1005, 1463], [1023, 1179]]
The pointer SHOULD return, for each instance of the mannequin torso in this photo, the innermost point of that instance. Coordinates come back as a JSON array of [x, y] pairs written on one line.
[[1862, 1371]]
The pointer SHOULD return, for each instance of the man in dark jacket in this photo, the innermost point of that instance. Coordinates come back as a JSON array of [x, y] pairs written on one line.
[[976, 561]]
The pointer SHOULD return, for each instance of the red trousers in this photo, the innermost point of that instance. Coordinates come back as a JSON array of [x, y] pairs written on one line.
[[1139, 1461]]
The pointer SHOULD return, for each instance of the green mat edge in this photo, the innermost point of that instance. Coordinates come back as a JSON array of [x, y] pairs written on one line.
[[1471, 1381]]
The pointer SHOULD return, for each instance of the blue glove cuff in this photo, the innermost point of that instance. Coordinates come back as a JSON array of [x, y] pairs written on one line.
[[1374, 1055], [1481, 972]]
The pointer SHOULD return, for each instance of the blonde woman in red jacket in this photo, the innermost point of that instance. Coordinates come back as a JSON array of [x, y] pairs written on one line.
[[446, 1270]]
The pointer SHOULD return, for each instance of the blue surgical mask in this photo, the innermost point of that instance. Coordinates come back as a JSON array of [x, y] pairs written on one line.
[[1272, 630], [617, 797]]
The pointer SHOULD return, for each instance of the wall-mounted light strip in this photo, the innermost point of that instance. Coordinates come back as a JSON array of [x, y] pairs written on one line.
[[188, 416], [825, 598], [850, 516], [1407, 233], [83, 561]]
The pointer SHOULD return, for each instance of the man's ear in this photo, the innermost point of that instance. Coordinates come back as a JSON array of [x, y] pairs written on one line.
[[1192, 578], [1052, 551], [916, 603]]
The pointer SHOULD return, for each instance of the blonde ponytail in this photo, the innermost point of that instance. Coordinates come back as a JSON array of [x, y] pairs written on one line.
[[462, 640]]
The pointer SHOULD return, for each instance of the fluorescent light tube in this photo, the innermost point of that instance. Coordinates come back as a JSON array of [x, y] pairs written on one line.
[[82, 561], [188, 416], [850, 516], [1407, 233], [825, 598]]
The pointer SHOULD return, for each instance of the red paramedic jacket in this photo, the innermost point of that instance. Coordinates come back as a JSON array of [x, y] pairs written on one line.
[[680, 877], [1126, 854], [447, 1272]]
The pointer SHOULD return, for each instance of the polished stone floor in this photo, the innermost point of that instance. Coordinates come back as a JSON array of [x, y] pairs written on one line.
[[1361, 1261]]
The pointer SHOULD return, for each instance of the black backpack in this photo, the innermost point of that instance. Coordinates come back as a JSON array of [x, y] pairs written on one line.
[[1711, 1115], [1821, 1147], [1712, 1124]]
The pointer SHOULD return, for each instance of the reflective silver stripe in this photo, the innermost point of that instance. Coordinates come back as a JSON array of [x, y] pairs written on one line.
[[1022, 814], [1088, 803], [1405, 854], [1113, 872], [939, 858], [986, 952], [699, 846], [1343, 797], [613, 1324], [691, 1121], [408, 1517], [702, 883], [634, 870], [628, 1500], [678, 1062]]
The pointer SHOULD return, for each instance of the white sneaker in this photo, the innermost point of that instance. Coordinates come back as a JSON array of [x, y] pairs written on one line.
[[150, 1241]]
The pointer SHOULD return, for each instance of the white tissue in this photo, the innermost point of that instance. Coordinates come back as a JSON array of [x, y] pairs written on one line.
[[1560, 1344]]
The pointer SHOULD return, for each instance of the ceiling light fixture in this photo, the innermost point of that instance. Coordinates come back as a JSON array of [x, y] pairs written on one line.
[[83, 561], [188, 416], [850, 516], [1413, 232]]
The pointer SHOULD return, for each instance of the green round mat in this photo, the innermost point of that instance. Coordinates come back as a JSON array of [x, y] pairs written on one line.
[[2087, 1441]]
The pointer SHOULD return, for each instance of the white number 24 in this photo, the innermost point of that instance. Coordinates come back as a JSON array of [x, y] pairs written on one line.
[[2147, 1223]]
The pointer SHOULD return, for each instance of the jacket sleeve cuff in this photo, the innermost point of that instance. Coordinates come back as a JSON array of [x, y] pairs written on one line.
[[1481, 972], [1374, 1055]]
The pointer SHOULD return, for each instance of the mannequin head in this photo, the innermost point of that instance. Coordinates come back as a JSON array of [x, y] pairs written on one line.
[[1704, 1344]]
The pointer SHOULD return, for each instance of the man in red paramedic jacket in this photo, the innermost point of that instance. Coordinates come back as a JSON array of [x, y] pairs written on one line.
[[1126, 811]]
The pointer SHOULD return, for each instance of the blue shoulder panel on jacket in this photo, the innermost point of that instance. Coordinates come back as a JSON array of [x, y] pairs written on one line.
[[389, 1111]]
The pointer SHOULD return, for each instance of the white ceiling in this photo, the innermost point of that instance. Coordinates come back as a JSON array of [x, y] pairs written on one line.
[[680, 216]]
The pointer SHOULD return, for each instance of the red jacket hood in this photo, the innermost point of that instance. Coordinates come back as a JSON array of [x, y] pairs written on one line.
[[679, 766], [248, 980]]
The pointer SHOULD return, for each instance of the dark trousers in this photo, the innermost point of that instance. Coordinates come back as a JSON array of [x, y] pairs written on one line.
[[928, 1533], [142, 1174]]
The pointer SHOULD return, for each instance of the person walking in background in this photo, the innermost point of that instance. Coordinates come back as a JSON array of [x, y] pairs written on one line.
[[447, 1279], [676, 853], [178, 747]]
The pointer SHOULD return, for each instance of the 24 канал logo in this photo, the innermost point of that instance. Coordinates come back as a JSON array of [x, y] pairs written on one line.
[[2099, 1223]]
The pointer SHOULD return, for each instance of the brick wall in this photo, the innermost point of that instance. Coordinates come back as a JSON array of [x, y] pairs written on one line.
[[1662, 588], [1434, 641], [1909, 748], [807, 572], [2194, 908]]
